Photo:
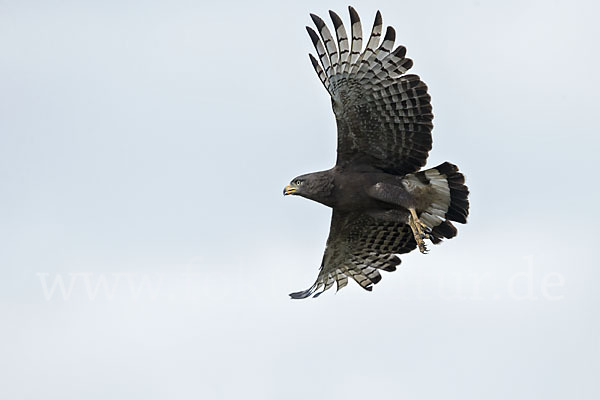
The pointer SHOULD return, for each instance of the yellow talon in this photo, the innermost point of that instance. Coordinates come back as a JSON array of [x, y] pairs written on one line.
[[418, 229]]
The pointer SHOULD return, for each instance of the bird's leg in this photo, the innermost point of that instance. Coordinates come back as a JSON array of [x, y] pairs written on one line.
[[419, 230]]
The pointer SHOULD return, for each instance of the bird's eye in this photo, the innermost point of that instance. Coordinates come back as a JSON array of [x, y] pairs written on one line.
[[298, 182]]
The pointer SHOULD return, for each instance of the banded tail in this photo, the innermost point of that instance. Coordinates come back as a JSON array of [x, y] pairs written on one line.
[[447, 200]]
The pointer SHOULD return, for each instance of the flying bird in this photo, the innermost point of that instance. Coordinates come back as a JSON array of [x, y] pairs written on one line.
[[382, 204]]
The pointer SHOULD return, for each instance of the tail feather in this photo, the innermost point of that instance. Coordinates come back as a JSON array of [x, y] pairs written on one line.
[[448, 201], [459, 193], [443, 230]]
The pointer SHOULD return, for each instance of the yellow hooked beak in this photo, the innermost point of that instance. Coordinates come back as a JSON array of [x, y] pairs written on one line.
[[289, 189]]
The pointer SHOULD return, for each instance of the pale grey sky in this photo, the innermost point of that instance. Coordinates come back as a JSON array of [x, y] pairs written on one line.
[[144, 145]]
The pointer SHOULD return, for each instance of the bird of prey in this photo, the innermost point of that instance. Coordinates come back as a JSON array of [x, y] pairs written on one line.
[[382, 204]]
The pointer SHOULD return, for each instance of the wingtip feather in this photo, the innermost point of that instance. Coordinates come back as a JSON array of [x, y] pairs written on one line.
[[353, 15], [313, 35], [317, 20], [337, 21], [378, 19]]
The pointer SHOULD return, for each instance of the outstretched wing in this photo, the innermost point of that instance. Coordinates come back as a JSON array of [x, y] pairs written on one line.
[[383, 116], [359, 245]]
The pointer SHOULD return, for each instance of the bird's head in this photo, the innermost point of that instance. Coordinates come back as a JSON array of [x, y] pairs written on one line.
[[300, 185], [317, 186]]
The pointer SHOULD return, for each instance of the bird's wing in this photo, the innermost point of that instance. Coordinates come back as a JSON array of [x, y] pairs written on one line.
[[359, 245], [384, 117]]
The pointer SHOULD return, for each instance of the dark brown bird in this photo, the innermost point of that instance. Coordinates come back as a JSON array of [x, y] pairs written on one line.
[[382, 206]]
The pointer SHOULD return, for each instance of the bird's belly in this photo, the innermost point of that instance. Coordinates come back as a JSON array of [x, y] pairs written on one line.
[[359, 201]]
